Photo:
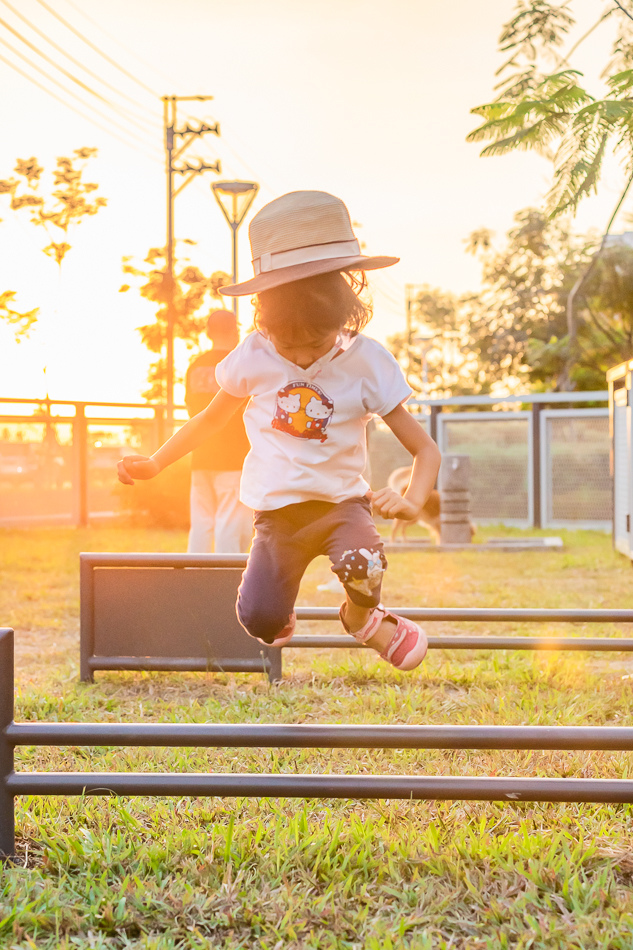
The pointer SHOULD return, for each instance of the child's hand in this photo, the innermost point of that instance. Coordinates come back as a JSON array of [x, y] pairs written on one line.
[[390, 504], [136, 466]]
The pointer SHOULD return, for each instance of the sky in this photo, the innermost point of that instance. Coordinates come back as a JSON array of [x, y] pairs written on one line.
[[367, 100]]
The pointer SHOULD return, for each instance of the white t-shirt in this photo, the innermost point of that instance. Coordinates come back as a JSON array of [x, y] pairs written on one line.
[[306, 427]]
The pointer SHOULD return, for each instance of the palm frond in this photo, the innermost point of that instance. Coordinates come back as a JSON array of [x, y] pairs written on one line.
[[578, 176]]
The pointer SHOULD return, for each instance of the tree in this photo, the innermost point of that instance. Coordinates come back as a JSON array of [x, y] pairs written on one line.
[[192, 292], [549, 111], [437, 355], [66, 206], [21, 321], [512, 333], [542, 106], [518, 318]]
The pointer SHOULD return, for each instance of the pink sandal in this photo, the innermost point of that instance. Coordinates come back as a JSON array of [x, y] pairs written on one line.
[[284, 636], [406, 649]]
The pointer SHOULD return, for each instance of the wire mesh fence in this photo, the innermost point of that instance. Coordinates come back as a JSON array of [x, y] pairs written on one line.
[[499, 446], [575, 470], [550, 468]]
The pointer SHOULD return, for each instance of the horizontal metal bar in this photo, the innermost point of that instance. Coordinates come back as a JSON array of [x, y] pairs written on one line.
[[318, 736], [69, 420], [184, 664], [99, 559], [594, 395], [487, 614], [467, 788], [75, 402], [601, 644], [599, 395]]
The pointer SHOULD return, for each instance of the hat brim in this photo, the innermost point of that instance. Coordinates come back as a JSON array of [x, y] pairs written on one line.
[[285, 275]]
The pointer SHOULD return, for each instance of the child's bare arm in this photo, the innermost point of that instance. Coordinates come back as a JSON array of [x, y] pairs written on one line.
[[192, 434], [426, 464]]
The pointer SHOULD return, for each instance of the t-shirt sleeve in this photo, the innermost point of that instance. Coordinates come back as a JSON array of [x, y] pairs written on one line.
[[385, 386], [232, 373]]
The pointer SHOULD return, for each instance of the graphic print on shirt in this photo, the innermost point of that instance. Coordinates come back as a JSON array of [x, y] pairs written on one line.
[[303, 410]]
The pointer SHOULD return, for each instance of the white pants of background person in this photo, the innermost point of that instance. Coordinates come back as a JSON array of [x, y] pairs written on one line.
[[217, 514]]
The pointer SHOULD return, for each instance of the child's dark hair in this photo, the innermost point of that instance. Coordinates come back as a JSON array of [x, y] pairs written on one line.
[[322, 303]]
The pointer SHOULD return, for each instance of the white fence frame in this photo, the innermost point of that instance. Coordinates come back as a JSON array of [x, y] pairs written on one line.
[[511, 416], [547, 474]]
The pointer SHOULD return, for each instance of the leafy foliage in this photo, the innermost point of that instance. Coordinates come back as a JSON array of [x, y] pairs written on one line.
[[439, 357], [192, 291], [21, 321], [68, 204], [552, 113], [512, 334]]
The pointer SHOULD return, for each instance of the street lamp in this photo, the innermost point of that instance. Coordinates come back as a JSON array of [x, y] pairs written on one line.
[[234, 199]]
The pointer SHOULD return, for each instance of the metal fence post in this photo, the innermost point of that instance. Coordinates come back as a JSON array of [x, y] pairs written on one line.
[[86, 619], [80, 444], [7, 817], [537, 460], [433, 420]]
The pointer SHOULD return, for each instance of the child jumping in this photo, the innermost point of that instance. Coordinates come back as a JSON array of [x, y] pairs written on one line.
[[313, 382]]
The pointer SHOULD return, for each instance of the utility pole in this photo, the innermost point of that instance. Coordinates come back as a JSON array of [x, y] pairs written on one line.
[[188, 134], [412, 292]]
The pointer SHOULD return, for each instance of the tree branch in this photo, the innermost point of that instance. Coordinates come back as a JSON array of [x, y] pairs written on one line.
[[565, 59], [626, 12], [600, 326]]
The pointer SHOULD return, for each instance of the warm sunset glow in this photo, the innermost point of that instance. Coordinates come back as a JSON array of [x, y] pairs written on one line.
[[349, 98]]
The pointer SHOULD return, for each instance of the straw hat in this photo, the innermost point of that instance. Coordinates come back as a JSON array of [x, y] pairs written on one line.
[[299, 235]]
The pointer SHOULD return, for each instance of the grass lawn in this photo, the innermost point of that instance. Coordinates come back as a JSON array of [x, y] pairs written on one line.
[[196, 873]]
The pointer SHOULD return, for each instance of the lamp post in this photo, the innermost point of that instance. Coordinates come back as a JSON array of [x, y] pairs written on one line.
[[234, 199]]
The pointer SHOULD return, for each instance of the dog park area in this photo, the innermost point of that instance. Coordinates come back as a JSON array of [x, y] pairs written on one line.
[[271, 872]]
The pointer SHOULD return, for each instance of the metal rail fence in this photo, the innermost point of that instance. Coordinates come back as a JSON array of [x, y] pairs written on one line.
[[175, 612], [306, 786], [549, 466], [541, 466], [57, 457]]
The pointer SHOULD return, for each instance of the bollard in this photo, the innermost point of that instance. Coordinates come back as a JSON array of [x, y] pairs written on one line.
[[7, 818], [454, 482]]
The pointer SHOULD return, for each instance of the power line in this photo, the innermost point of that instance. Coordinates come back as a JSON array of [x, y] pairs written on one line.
[[395, 286], [242, 162], [61, 68], [94, 47], [69, 92], [130, 52], [233, 134], [70, 3], [71, 107], [51, 79], [390, 290], [388, 297], [52, 62], [76, 62]]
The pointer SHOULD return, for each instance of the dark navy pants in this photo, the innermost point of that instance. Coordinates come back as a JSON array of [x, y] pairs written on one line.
[[285, 542]]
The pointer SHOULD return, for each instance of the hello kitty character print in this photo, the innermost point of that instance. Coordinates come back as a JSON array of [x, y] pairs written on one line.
[[303, 410]]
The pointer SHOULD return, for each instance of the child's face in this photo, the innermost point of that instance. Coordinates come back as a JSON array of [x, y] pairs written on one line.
[[304, 350]]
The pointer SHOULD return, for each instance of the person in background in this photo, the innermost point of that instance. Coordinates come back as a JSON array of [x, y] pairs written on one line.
[[219, 520]]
